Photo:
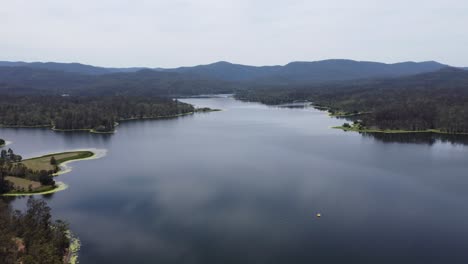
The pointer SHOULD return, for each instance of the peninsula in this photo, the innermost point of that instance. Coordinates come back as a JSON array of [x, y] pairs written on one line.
[[35, 175]]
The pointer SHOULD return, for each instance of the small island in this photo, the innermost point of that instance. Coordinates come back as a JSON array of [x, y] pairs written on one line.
[[36, 175]]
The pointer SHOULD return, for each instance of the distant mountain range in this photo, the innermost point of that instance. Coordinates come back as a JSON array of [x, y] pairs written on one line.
[[32, 81], [22, 78], [68, 67], [294, 72], [319, 71]]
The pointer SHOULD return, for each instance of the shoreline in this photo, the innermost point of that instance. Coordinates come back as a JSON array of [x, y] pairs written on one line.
[[71, 257], [59, 186], [395, 131], [156, 117], [381, 131], [63, 169], [6, 143], [63, 166], [200, 110], [92, 130], [337, 113], [348, 114]]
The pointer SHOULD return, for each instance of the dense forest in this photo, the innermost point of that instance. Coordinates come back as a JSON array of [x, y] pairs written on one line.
[[32, 237], [437, 100], [39, 97], [33, 81], [96, 113]]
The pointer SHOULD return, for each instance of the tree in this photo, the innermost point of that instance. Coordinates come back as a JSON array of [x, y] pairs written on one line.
[[53, 161], [7, 244], [5, 186], [44, 241], [17, 158], [45, 178]]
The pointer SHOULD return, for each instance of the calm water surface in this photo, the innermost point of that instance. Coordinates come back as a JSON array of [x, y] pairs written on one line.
[[244, 185]]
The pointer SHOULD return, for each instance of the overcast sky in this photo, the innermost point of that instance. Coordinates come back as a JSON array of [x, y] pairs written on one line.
[[170, 33]]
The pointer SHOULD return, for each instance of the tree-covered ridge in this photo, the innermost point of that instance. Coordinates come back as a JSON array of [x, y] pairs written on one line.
[[32, 81], [294, 72], [95, 113], [32, 237], [432, 101], [76, 79]]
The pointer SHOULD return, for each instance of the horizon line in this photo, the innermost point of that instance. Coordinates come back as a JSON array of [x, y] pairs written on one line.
[[228, 62]]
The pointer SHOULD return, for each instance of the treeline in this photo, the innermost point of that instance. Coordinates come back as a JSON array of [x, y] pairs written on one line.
[[437, 100], [97, 113], [32, 237]]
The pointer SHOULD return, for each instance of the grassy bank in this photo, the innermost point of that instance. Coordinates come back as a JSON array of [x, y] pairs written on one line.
[[59, 186], [43, 163]]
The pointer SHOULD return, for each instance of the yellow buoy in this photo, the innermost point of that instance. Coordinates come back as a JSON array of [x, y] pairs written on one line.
[[319, 215]]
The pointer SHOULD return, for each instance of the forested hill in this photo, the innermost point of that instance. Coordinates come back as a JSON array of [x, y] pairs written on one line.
[[31, 81], [437, 100], [68, 67], [25, 80], [154, 83], [32, 97], [306, 72], [294, 72]]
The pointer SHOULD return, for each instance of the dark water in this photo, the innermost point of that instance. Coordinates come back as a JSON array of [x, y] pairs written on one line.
[[243, 186]]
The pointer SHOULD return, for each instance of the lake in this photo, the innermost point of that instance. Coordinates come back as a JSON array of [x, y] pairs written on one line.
[[244, 185]]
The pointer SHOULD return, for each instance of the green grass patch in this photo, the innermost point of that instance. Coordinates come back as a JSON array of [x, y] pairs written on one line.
[[22, 186], [43, 162], [59, 186], [21, 183]]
